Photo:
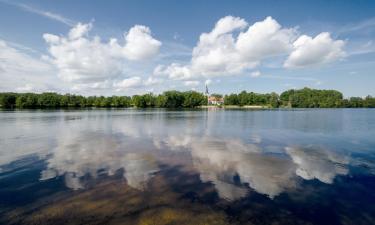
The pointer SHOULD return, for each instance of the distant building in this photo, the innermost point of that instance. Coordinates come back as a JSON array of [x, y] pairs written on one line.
[[213, 100]]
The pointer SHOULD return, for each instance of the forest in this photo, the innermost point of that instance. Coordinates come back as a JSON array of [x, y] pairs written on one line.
[[301, 98], [169, 99]]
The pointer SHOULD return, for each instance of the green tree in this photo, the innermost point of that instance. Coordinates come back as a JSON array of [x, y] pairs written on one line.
[[49, 100], [8, 100], [193, 99], [174, 99], [231, 99]]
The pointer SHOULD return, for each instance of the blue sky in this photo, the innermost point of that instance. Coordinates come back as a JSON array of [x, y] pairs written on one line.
[[260, 46]]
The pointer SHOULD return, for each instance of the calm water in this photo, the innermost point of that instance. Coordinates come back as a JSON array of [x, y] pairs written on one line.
[[187, 167]]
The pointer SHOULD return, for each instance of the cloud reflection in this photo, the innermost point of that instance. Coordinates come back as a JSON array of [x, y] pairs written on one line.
[[79, 155], [221, 161], [265, 174], [231, 165], [318, 163]]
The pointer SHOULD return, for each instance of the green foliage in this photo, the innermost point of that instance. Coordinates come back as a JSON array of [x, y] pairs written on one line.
[[217, 95], [170, 99], [28, 101], [54, 100], [193, 99], [251, 98], [302, 98], [273, 100], [369, 102], [161, 101], [8, 100], [311, 98], [174, 99], [49, 100], [231, 99]]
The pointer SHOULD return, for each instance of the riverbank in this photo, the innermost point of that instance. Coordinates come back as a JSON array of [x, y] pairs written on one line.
[[236, 106]]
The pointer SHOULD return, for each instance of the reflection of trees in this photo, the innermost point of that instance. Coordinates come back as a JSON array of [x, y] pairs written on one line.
[[78, 155]]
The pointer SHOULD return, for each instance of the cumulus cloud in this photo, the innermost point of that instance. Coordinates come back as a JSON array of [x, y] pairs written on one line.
[[80, 30], [233, 47], [264, 39], [21, 71], [128, 82], [310, 51], [174, 71], [221, 52], [80, 58], [216, 51], [140, 44]]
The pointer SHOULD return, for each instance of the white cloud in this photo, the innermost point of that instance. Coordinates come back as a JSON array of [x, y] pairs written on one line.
[[82, 59], [191, 83], [11, 58], [103, 85], [264, 39], [225, 25], [216, 53], [47, 14], [220, 52], [25, 88], [131, 82], [255, 73], [231, 49], [365, 25], [80, 30], [52, 39], [208, 82], [152, 81], [310, 51], [174, 71], [140, 44], [22, 72]]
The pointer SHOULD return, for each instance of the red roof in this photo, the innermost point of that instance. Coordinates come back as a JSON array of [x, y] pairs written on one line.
[[213, 98]]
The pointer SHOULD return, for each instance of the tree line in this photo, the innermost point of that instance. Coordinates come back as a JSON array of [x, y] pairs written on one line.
[[302, 98], [169, 99], [312, 98]]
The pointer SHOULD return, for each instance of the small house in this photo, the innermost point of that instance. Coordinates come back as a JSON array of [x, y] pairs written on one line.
[[213, 100]]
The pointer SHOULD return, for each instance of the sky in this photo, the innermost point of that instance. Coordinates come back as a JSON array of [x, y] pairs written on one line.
[[135, 47]]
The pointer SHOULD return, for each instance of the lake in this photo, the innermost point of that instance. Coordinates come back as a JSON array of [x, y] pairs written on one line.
[[210, 166]]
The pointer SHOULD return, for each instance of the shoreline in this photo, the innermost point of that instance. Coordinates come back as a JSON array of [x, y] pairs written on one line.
[[235, 107]]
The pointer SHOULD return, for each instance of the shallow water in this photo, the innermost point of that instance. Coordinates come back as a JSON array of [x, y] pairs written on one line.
[[187, 167]]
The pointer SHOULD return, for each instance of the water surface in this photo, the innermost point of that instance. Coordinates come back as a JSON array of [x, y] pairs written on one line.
[[187, 167]]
